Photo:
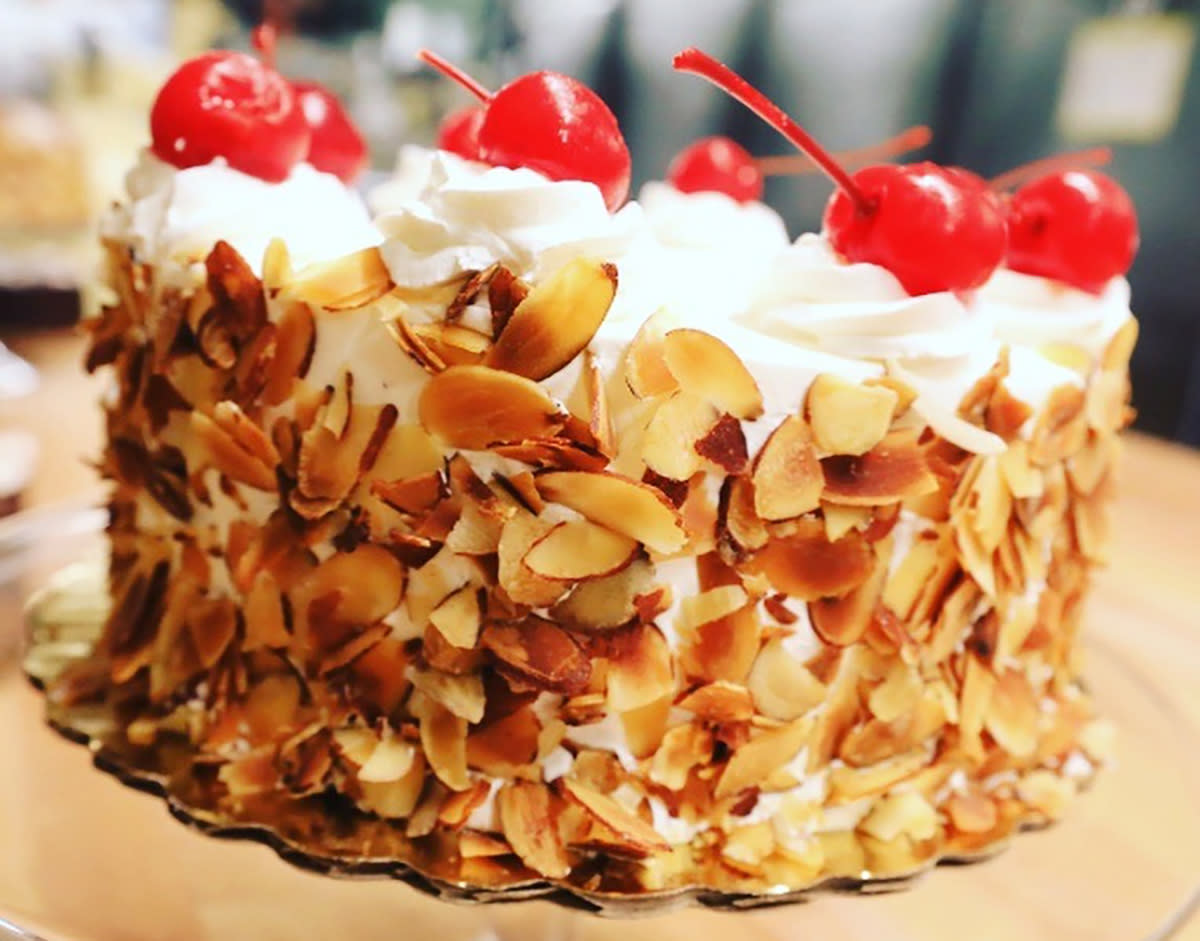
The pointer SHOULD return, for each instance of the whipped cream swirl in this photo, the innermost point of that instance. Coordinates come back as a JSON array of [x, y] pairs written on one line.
[[1034, 311], [172, 217]]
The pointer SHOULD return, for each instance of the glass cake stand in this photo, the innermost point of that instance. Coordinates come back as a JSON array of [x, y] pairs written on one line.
[[87, 859]]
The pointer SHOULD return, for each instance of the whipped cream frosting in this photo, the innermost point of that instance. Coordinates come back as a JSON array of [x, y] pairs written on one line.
[[1034, 311], [172, 217]]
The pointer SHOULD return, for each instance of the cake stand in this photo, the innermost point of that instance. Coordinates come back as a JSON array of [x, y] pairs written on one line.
[[90, 860]]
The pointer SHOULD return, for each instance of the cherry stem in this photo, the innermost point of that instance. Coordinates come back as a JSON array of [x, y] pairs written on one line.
[[701, 63], [910, 139], [263, 38], [1095, 157], [454, 73]]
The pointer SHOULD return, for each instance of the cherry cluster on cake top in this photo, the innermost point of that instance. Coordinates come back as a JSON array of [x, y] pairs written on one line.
[[936, 228]]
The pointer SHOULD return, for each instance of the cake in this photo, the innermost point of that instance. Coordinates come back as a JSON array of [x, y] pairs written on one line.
[[625, 546]]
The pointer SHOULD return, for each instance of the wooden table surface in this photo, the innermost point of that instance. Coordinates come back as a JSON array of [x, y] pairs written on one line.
[[1151, 591]]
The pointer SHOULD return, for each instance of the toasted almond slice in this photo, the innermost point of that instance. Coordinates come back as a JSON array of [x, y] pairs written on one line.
[[430, 584], [807, 566], [580, 549], [782, 687], [848, 784], [766, 752], [474, 406], [846, 417], [295, 341], [1061, 429], [895, 469], [242, 460], [646, 369], [904, 814], [457, 617], [721, 701], [706, 367], [443, 740], [390, 760], [677, 425], [520, 582], [457, 808], [541, 653], [556, 320], [972, 812], [344, 283], [265, 623], [839, 520], [452, 343], [461, 695], [787, 475], [599, 417], [843, 621], [635, 834], [530, 824], [626, 506], [898, 694], [639, 670], [709, 606], [1046, 792], [414, 495], [414, 344], [395, 799], [1012, 714], [605, 602], [474, 845], [1120, 348], [978, 685], [737, 518], [683, 748]]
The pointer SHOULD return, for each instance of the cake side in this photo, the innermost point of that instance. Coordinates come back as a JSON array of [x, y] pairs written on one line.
[[540, 590]]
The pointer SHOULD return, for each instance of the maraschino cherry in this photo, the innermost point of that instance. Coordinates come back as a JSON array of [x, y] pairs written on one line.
[[935, 228], [720, 165], [335, 144], [550, 123], [1069, 222], [230, 105], [459, 132]]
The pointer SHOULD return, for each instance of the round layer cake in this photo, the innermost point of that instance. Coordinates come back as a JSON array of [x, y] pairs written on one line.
[[632, 549]]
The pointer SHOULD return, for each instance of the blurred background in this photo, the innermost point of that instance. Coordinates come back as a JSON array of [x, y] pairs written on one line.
[[1000, 83]]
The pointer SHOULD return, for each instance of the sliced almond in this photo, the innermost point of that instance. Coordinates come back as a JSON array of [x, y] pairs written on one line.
[[807, 566], [639, 669], [781, 686], [846, 417], [705, 366], [599, 417], [344, 283], [605, 602], [848, 784], [580, 549], [721, 701], [683, 748], [677, 425], [556, 320], [1012, 714], [443, 740], [518, 580], [457, 617], [502, 746], [530, 824], [766, 752], [461, 695], [895, 469], [626, 506], [787, 475], [634, 833], [843, 621], [646, 369], [540, 653], [473, 406]]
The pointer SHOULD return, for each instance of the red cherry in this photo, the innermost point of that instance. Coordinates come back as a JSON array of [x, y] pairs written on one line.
[[230, 105], [337, 147], [934, 228], [717, 164], [1075, 226], [551, 123], [459, 132]]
